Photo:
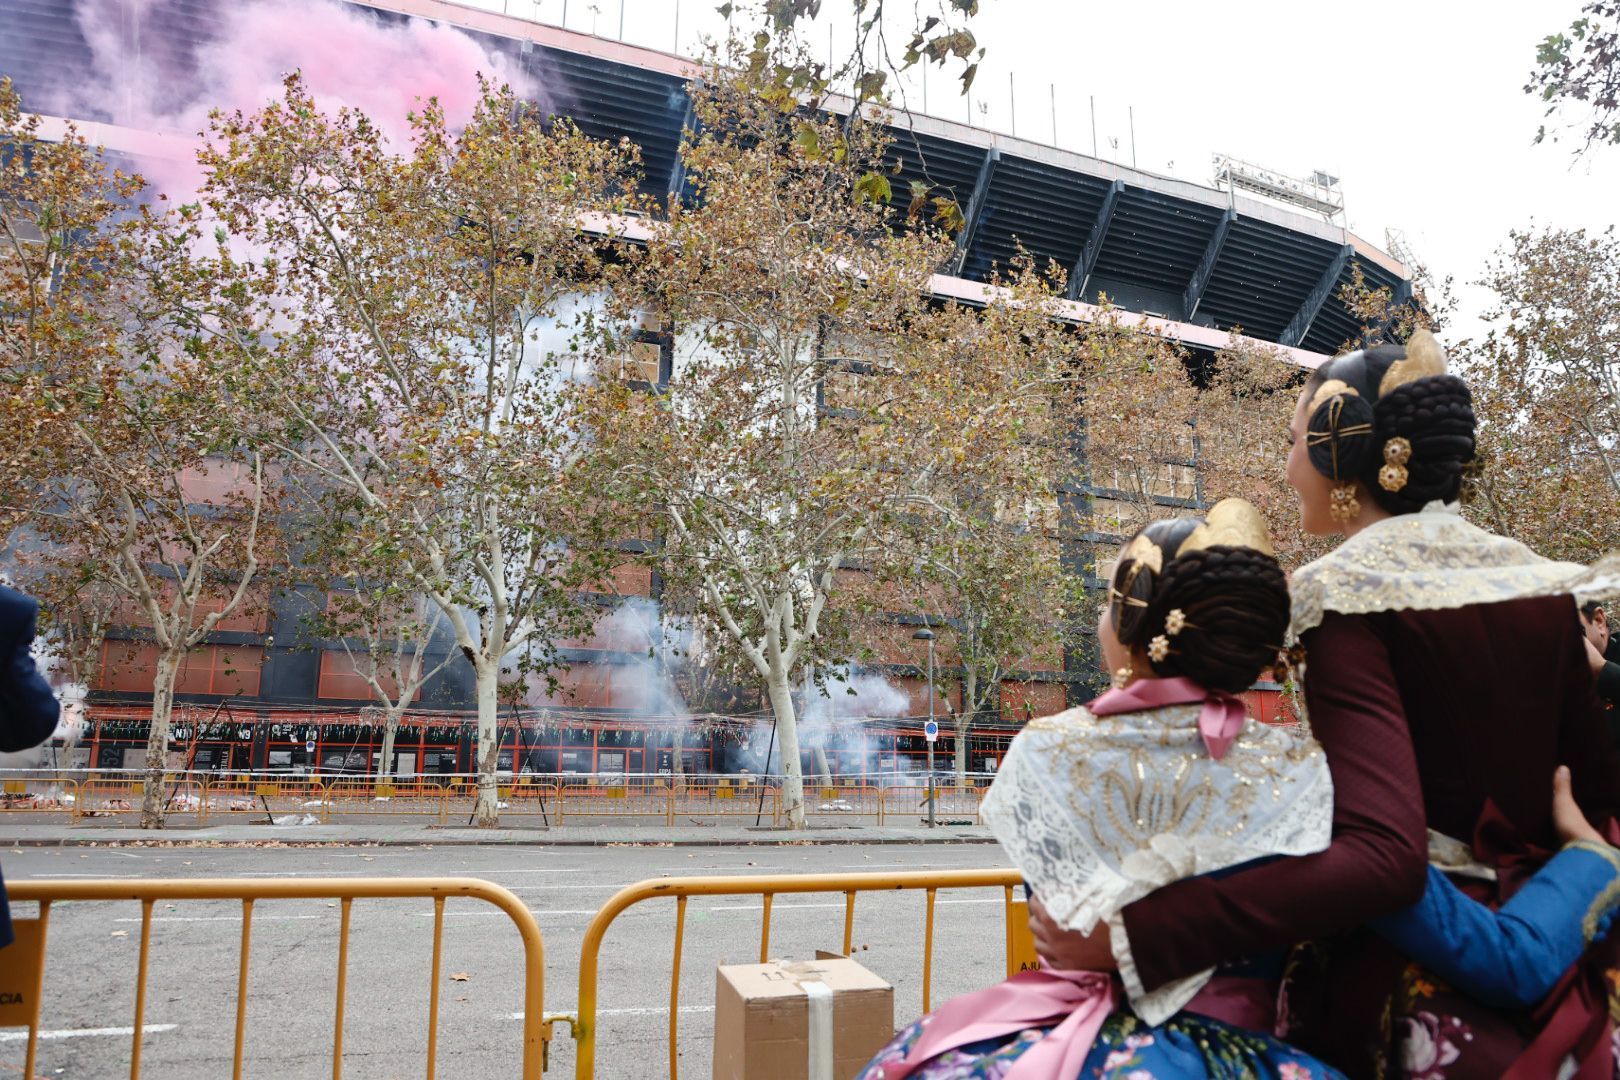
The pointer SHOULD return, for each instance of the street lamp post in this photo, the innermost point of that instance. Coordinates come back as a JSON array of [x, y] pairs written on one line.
[[927, 635]]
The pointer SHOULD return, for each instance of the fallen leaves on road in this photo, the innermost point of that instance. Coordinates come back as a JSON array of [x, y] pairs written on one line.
[[460, 976], [120, 933]]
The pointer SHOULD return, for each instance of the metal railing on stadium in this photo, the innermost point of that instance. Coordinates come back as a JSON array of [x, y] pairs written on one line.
[[536, 1026], [768, 887]]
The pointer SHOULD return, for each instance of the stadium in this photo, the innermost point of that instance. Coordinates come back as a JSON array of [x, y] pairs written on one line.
[[1254, 252]]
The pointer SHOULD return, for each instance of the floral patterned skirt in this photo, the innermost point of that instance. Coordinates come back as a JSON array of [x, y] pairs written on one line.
[[1187, 1045], [1359, 1003]]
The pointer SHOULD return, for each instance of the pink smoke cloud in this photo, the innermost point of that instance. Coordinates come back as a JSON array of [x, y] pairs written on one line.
[[349, 56]]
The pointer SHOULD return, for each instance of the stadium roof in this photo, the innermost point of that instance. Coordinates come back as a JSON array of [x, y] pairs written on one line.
[[1200, 260]]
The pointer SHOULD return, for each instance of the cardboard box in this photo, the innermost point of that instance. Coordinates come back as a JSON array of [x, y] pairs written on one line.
[[780, 1021]]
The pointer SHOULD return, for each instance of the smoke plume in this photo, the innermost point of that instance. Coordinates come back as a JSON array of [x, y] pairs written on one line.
[[160, 71]]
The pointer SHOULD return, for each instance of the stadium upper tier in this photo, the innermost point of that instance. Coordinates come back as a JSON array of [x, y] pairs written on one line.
[[1201, 258]]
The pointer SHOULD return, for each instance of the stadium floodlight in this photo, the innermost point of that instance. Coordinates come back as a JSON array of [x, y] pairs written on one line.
[[1319, 192]]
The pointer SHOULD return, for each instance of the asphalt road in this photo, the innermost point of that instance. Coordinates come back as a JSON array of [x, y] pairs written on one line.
[[191, 1002]]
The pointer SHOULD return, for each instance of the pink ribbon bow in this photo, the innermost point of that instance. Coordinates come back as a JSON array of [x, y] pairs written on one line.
[[1077, 1001], [1219, 723]]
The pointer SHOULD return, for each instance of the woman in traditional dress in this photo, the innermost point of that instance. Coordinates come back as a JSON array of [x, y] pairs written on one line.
[[1445, 678], [1162, 778]]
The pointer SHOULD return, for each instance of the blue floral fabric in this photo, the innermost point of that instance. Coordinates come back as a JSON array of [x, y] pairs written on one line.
[[1187, 1046]]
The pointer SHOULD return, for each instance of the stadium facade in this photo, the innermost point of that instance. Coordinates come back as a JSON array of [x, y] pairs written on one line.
[[1198, 262]]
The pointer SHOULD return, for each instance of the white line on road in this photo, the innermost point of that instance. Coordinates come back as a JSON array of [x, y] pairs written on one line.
[[533, 870], [48, 876], [492, 914], [223, 918], [82, 1033], [655, 1010], [803, 907]]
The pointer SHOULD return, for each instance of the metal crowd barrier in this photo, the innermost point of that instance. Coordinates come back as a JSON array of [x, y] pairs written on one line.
[[767, 887], [554, 798], [45, 794], [536, 1026]]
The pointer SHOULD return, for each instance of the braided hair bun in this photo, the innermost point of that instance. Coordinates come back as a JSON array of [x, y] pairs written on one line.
[[1391, 418], [1215, 614]]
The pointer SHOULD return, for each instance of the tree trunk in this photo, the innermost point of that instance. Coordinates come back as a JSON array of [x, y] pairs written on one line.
[[157, 739], [676, 766], [787, 737], [487, 812], [823, 770], [385, 767], [964, 721]]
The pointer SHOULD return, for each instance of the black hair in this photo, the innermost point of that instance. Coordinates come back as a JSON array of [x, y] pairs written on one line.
[[1233, 603], [1591, 608], [1417, 439]]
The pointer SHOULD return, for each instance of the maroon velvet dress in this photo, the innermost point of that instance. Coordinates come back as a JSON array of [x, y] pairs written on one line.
[[1447, 719]]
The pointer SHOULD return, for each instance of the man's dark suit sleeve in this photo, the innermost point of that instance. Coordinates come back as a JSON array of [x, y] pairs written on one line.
[[28, 709]]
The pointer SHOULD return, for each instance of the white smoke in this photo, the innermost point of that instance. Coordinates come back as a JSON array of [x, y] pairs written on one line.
[[834, 718]]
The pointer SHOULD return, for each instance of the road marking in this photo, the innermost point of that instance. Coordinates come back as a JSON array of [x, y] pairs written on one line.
[[49, 876], [656, 1010], [774, 907], [492, 914], [544, 870], [83, 1033], [552, 888], [222, 918], [807, 907]]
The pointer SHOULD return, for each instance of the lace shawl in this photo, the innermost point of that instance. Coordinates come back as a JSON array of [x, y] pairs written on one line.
[[1431, 560], [1099, 811]]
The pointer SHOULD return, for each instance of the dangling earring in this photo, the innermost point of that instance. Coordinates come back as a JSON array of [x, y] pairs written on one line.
[[1122, 677], [1342, 502]]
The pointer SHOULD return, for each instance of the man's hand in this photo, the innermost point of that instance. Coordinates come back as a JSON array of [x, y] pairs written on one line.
[[1066, 950], [1593, 657]]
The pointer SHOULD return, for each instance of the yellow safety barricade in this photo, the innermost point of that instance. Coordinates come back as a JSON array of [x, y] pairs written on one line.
[[632, 797], [767, 887], [911, 803], [265, 799], [398, 796], [758, 801], [536, 1026], [113, 798], [39, 795], [831, 805], [526, 798]]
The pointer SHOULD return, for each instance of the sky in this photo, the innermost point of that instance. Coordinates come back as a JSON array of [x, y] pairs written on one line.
[[1417, 106]]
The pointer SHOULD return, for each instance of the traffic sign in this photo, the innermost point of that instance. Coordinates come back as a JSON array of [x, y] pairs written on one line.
[[931, 731], [309, 746]]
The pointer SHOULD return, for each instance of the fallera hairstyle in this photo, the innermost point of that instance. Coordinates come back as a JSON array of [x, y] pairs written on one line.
[[1214, 613], [1392, 418]]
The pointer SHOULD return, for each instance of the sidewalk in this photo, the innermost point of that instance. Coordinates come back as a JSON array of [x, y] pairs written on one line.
[[15, 831]]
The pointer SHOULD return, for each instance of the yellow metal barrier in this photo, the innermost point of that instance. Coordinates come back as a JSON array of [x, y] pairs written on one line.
[[826, 805], [634, 797], [724, 800], [529, 799], [263, 799], [38, 796], [536, 1027], [767, 887], [111, 798], [368, 796], [950, 802]]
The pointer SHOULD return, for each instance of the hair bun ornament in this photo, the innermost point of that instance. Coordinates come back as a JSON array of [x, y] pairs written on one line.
[[1393, 476], [1339, 435]]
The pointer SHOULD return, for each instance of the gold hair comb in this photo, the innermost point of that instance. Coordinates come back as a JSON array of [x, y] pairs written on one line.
[[1424, 358], [1233, 522]]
